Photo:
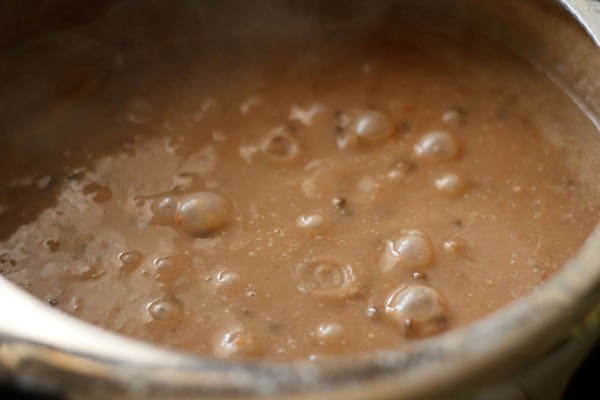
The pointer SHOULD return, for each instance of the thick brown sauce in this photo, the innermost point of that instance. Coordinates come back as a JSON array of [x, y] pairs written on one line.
[[351, 199]]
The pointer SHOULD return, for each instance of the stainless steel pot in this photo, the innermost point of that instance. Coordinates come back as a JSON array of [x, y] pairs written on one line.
[[526, 350]]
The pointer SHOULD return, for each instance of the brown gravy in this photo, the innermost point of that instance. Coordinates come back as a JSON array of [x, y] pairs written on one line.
[[353, 198]]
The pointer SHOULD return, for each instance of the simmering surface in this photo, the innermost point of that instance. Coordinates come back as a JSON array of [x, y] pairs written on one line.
[[333, 201]]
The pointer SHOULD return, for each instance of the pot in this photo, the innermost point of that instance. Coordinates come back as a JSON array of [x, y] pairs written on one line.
[[526, 350]]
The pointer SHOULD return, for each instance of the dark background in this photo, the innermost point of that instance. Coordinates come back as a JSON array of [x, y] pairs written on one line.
[[584, 385]]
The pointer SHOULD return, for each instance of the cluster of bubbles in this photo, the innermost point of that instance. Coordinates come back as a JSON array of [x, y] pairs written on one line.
[[417, 309]]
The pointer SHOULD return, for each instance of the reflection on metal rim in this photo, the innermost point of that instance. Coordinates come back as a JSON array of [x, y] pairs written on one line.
[[588, 14]]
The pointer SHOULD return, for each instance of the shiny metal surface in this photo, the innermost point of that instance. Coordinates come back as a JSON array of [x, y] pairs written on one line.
[[491, 359], [588, 14]]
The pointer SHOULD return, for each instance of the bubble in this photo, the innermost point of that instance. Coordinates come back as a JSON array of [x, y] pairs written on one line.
[[437, 146], [311, 222], [162, 265], [373, 126], [331, 331], [130, 260], [328, 278], [238, 342], [339, 202], [419, 275], [162, 310], [419, 310], [281, 146], [451, 185], [372, 312], [454, 247], [453, 116], [171, 268], [395, 175], [406, 166], [401, 170], [201, 214], [412, 250], [226, 279], [164, 209]]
